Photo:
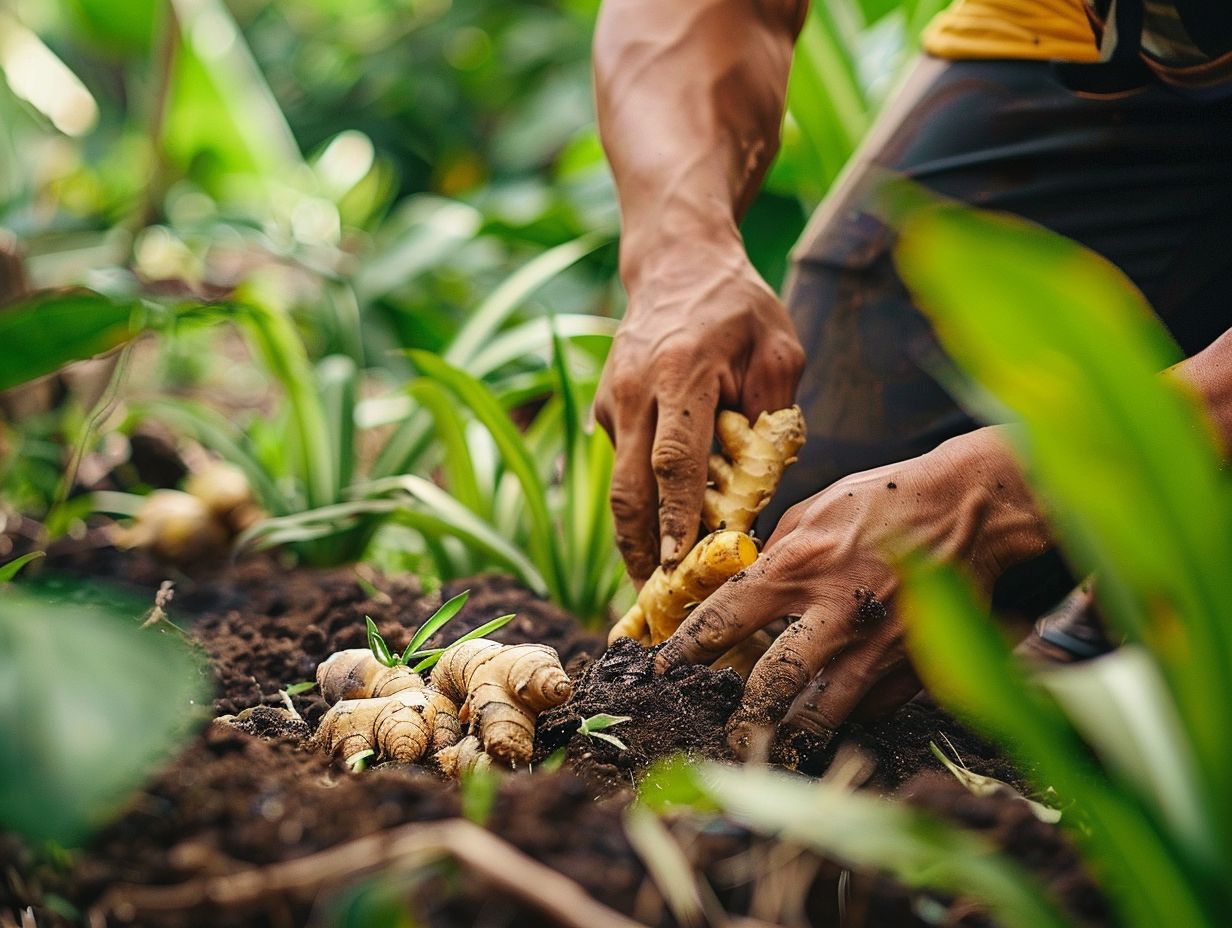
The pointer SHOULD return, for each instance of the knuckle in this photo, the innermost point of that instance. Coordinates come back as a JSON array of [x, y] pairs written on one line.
[[627, 504], [672, 458]]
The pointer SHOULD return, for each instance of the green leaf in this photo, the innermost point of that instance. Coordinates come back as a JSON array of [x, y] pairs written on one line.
[[434, 655], [1125, 459], [283, 353], [122, 701], [493, 312], [450, 432], [434, 623], [50, 328], [221, 116], [487, 409], [358, 762], [479, 788], [337, 380], [377, 644], [824, 98], [10, 570], [601, 721], [873, 833], [965, 663], [303, 686]]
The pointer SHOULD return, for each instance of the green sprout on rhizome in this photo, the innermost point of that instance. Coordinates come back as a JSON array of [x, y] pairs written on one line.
[[427, 657]]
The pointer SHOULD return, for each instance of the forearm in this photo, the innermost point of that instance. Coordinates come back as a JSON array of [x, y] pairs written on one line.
[[1209, 372], [690, 100]]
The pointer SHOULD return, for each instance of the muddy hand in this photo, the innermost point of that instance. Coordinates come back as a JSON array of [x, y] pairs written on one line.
[[829, 562], [707, 332]]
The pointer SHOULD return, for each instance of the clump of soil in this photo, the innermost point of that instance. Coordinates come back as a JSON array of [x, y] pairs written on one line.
[[682, 710]]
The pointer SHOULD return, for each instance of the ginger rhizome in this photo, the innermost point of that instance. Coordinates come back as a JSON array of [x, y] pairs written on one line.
[[746, 474], [196, 523], [743, 478], [667, 597], [394, 712], [502, 689], [467, 756], [391, 711]]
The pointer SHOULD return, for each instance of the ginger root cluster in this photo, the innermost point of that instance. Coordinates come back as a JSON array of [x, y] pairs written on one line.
[[493, 691], [742, 479]]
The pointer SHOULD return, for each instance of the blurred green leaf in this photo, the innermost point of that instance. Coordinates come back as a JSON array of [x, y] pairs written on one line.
[[1125, 459], [89, 707], [965, 663], [12, 568], [47, 330], [220, 115]]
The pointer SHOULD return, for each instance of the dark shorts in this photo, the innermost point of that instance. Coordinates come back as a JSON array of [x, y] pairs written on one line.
[[1145, 180]]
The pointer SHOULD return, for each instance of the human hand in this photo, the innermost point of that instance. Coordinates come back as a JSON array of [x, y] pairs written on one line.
[[830, 563], [702, 330]]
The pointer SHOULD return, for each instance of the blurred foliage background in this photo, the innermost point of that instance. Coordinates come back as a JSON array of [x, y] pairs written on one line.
[[388, 176]]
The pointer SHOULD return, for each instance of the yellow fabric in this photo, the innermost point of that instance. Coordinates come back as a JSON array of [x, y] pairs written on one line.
[[1016, 29]]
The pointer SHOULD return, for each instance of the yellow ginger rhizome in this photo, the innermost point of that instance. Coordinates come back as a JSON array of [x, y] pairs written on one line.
[[742, 479], [493, 691]]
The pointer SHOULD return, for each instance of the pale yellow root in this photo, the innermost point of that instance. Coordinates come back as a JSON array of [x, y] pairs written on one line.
[[667, 598], [356, 674], [502, 688], [400, 727], [746, 474], [465, 757], [175, 527], [224, 490]]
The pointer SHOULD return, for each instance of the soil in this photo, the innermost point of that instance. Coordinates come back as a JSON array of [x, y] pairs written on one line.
[[683, 710], [238, 800]]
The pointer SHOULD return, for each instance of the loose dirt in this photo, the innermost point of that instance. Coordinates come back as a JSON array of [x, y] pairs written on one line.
[[235, 801]]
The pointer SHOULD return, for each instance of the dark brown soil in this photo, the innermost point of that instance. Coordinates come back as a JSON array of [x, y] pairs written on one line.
[[683, 710], [234, 801]]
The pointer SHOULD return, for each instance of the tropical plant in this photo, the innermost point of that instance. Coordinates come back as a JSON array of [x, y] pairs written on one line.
[[1126, 462]]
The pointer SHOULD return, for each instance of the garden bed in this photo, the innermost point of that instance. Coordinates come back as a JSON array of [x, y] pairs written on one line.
[[202, 844]]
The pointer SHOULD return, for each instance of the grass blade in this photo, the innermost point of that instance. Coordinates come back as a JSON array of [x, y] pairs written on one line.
[[337, 380], [493, 312], [435, 621], [435, 654], [480, 400]]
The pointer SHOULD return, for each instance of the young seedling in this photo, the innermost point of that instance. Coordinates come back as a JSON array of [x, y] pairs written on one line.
[[594, 726]]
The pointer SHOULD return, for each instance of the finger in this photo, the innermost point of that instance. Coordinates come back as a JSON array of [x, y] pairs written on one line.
[[771, 378], [730, 614], [679, 458], [795, 658], [894, 690], [634, 500], [826, 702]]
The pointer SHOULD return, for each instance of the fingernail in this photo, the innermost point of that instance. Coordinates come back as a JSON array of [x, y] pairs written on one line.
[[667, 552], [750, 741]]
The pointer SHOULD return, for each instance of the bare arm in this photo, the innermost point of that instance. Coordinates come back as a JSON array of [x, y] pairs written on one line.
[[690, 99]]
